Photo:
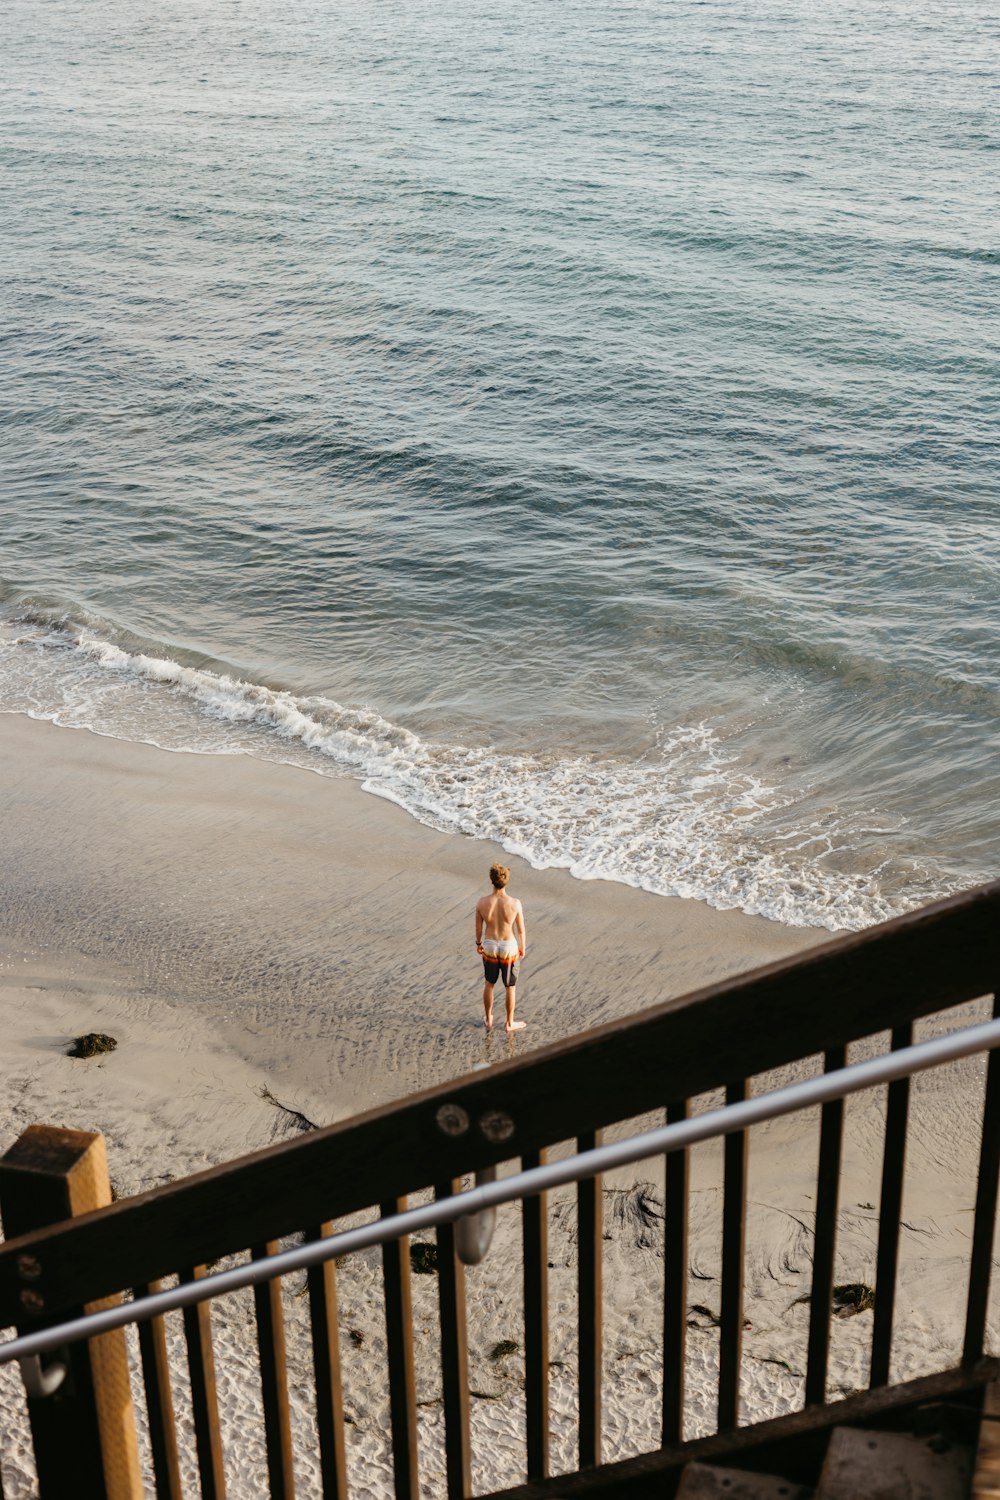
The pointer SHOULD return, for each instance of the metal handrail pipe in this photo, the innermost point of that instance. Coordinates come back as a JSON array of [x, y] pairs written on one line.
[[658, 1142]]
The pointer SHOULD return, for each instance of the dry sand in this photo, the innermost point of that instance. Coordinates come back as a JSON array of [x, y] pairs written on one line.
[[242, 926]]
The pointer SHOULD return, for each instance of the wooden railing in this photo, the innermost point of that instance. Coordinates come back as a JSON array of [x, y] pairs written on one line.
[[882, 980]]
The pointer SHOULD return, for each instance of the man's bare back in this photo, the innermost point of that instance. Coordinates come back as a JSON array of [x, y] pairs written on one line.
[[500, 943], [499, 913]]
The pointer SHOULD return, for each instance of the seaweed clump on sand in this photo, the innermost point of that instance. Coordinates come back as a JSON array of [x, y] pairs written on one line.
[[636, 1215], [849, 1298], [92, 1044], [424, 1259], [295, 1116], [503, 1349], [853, 1297]]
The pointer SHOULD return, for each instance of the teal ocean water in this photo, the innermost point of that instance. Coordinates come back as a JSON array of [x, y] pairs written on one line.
[[577, 422]]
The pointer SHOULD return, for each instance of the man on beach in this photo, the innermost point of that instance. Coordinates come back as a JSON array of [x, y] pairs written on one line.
[[500, 942]]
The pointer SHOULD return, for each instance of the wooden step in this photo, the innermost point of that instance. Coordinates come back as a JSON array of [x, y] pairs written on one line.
[[986, 1480], [865, 1465], [794, 1444], [707, 1482]]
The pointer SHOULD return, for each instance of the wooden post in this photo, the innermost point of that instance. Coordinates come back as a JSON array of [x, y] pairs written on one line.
[[84, 1434]]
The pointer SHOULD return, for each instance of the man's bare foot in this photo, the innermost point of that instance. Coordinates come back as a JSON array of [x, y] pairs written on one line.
[[488, 1023], [516, 1025]]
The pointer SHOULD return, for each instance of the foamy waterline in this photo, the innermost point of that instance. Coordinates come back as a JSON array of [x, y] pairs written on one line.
[[684, 820]]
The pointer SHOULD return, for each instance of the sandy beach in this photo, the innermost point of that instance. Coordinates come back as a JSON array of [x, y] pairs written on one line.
[[293, 926], [243, 927]]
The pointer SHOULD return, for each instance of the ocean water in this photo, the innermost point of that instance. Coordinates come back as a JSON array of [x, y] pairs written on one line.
[[578, 422]]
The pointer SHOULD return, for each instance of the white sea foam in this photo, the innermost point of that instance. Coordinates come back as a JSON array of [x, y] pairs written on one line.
[[686, 820]]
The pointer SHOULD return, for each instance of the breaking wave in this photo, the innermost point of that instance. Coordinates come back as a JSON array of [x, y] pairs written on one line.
[[685, 819]]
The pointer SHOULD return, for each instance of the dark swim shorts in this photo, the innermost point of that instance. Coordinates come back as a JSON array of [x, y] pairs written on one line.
[[493, 968]]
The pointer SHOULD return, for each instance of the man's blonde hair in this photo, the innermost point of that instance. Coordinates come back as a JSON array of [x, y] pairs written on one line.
[[499, 874]]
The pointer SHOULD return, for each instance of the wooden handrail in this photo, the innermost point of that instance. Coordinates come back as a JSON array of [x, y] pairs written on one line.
[[854, 986]]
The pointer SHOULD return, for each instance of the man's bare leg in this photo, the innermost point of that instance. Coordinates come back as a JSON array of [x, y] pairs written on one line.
[[511, 998], [488, 1005]]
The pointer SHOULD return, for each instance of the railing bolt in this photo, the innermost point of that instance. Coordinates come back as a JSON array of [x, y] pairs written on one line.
[[33, 1301], [30, 1267], [452, 1119], [496, 1125]]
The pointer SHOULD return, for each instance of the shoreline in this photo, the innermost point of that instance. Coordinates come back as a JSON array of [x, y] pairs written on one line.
[[312, 930], [680, 814]]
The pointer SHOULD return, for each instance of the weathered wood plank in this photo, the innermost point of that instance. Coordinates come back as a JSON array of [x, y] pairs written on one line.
[[986, 1475], [734, 1215], [890, 1211], [831, 1134], [85, 1438], [454, 1357], [204, 1398], [590, 1305], [399, 1357], [865, 982], [535, 1238], [675, 1278], [274, 1380], [984, 1223], [159, 1403], [765, 1447], [322, 1281]]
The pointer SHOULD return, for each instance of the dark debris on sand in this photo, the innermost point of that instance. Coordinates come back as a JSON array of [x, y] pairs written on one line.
[[92, 1044], [423, 1259], [295, 1116]]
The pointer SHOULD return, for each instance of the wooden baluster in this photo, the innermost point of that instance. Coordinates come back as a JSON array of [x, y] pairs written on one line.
[[984, 1223], [675, 1272], [274, 1379], [535, 1231], [890, 1211], [590, 1300], [454, 1356], [733, 1242], [325, 1324], [204, 1400], [824, 1249], [159, 1402], [399, 1348]]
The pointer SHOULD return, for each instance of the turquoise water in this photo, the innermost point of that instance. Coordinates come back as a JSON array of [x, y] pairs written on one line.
[[578, 422]]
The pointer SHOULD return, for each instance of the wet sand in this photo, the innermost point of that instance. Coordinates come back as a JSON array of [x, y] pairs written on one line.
[[314, 930]]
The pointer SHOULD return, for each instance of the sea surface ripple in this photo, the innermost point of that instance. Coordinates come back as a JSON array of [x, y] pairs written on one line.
[[577, 422]]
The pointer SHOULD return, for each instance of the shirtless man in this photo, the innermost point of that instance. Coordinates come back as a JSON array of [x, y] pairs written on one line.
[[498, 918]]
